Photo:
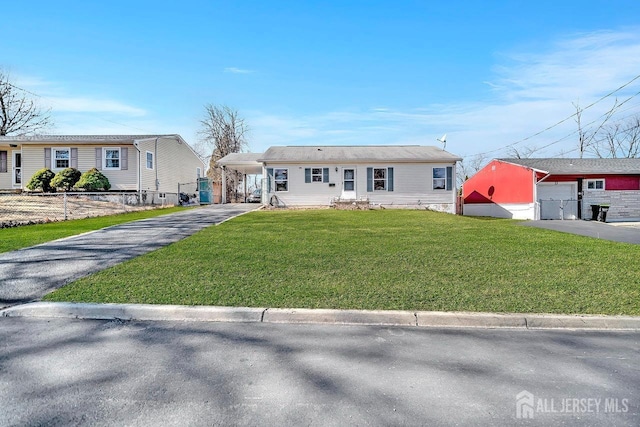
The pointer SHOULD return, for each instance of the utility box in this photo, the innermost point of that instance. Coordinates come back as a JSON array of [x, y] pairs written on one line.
[[205, 190]]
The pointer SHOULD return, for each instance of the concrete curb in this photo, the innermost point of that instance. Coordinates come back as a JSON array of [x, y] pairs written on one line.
[[340, 317], [135, 312], [153, 312]]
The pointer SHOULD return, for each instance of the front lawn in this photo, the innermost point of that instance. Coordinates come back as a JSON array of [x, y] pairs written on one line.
[[30, 235], [383, 259]]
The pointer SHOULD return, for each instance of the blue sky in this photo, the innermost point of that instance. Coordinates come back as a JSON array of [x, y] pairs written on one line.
[[487, 73]]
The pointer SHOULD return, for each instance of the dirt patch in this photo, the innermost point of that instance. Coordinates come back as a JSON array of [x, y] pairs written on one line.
[[33, 209]]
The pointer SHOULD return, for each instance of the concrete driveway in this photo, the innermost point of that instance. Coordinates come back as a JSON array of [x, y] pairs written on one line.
[[598, 230], [30, 273]]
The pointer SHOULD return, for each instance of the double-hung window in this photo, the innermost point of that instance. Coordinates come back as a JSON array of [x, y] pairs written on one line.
[[316, 175], [111, 158], [281, 179], [149, 160], [443, 178], [60, 157], [379, 179]]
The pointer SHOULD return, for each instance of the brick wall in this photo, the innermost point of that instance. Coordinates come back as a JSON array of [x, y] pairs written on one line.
[[625, 204]]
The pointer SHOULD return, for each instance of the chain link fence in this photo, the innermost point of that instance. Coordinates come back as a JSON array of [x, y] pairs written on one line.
[[34, 208]]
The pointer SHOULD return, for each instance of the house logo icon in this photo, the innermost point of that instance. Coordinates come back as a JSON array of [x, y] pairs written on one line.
[[524, 405]]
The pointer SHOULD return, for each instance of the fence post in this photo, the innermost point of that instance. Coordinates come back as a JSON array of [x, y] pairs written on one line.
[[64, 203]]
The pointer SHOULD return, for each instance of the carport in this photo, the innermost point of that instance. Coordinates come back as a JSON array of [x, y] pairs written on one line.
[[245, 163]]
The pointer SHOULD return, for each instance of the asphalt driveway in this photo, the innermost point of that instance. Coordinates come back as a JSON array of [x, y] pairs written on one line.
[[28, 274], [598, 230]]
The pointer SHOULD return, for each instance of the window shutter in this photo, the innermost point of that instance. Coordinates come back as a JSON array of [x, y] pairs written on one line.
[[99, 158], [47, 158], [124, 158], [390, 179], [449, 185], [74, 158], [307, 175], [3, 161], [269, 179], [325, 174], [369, 180]]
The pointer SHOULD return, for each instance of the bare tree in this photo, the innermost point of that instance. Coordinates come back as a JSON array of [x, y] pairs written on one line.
[[587, 140], [521, 153], [222, 132], [19, 114], [468, 167], [620, 139]]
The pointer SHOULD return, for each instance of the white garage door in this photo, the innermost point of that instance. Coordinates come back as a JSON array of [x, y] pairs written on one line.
[[558, 201]]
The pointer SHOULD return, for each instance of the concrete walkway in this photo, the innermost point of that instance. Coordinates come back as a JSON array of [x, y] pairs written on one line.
[[598, 230], [30, 273]]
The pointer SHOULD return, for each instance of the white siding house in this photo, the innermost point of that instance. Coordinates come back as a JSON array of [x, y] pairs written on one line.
[[130, 162], [400, 176]]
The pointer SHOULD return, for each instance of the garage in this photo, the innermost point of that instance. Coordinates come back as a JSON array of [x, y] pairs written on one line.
[[558, 200]]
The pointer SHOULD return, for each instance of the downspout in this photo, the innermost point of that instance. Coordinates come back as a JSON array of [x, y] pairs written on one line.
[[135, 144], [155, 159]]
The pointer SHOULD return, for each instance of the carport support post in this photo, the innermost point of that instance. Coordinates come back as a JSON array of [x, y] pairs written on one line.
[[224, 185], [244, 179]]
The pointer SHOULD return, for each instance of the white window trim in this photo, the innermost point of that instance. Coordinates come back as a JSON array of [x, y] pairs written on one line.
[[433, 179], [104, 158], [198, 172], [594, 184], [146, 161], [386, 179], [54, 165], [275, 180], [320, 175]]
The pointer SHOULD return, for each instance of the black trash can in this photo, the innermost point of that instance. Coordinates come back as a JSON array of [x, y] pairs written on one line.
[[595, 210], [603, 212]]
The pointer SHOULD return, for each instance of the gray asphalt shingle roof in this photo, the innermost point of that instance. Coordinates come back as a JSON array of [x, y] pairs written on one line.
[[360, 153], [79, 138], [581, 166], [240, 158]]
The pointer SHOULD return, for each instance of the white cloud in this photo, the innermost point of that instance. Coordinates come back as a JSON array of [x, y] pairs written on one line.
[[235, 70], [531, 91], [93, 105]]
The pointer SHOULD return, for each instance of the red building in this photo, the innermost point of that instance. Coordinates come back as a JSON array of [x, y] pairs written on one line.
[[554, 189]]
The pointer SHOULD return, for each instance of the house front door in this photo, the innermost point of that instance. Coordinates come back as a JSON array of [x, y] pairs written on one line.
[[348, 183], [17, 169]]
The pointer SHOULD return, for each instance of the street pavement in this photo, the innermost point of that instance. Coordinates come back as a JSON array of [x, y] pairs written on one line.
[[595, 229], [30, 273], [97, 372]]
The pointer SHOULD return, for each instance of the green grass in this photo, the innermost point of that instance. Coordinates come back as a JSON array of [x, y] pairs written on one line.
[[385, 259], [29, 235]]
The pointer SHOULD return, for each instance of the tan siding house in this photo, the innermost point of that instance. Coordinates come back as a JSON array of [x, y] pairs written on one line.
[[130, 162]]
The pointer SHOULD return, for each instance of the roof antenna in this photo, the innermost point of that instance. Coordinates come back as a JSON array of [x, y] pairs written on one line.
[[443, 140]]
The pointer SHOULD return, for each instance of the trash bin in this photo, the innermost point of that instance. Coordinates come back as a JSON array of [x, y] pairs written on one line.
[[603, 212], [595, 210]]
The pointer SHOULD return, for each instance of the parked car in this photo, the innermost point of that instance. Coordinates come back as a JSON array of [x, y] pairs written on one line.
[[255, 196]]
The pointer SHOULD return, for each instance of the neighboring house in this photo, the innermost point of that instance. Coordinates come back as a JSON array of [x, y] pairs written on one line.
[[554, 189], [408, 175], [130, 162]]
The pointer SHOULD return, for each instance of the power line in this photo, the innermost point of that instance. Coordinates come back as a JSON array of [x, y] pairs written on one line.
[[565, 119]]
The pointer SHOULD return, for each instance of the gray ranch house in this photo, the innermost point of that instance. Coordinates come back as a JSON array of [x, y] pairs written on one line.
[[409, 176]]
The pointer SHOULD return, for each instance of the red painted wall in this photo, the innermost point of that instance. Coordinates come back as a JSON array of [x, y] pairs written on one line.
[[622, 183], [499, 182], [612, 182]]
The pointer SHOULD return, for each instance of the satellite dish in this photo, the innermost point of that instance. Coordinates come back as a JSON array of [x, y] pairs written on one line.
[[443, 140]]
